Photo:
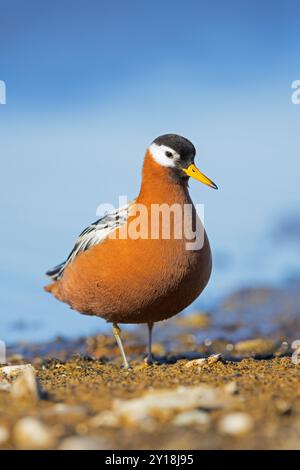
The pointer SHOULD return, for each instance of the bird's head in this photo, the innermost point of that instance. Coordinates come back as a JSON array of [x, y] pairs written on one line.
[[178, 154]]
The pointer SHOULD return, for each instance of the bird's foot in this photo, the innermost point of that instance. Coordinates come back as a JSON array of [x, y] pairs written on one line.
[[149, 360], [126, 365]]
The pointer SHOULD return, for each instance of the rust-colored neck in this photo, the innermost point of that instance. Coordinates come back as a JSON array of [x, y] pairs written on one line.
[[160, 186]]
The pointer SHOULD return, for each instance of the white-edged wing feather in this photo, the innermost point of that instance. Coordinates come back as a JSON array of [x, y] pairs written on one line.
[[93, 235]]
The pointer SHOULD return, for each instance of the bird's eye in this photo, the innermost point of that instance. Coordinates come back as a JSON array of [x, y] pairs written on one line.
[[169, 154]]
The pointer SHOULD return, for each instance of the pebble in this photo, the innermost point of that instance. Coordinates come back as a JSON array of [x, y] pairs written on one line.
[[167, 402], [83, 443], [198, 320], [192, 418], [4, 434], [16, 359], [4, 386], [12, 372], [106, 418], [26, 386], [283, 407], [30, 433], [235, 424], [63, 409], [231, 388], [255, 346]]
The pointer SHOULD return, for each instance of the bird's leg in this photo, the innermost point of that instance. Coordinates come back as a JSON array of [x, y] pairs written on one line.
[[116, 332], [150, 359]]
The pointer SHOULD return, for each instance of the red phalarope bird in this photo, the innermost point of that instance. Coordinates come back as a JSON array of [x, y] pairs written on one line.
[[139, 280]]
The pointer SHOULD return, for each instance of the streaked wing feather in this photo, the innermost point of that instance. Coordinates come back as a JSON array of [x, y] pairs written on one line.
[[92, 235]]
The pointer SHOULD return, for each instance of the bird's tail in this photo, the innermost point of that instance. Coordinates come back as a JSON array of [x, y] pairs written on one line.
[[54, 289]]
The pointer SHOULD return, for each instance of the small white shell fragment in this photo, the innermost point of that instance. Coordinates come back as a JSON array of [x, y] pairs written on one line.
[[235, 424], [204, 361], [214, 358]]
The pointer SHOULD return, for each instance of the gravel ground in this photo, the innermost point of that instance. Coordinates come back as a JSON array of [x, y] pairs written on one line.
[[206, 391]]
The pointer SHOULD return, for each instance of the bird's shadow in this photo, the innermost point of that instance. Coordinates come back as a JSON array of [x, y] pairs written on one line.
[[187, 355]]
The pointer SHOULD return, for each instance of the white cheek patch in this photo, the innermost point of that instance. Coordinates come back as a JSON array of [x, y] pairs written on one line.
[[158, 153]]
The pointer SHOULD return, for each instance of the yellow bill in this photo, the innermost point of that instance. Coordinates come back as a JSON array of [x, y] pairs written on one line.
[[193, 172]]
